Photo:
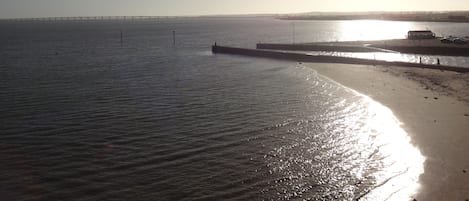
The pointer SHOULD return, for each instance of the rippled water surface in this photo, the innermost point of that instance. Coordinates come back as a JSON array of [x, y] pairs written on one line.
[[86, 117]]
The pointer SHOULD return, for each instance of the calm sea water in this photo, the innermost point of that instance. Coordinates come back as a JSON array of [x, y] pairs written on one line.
[[85, 117]]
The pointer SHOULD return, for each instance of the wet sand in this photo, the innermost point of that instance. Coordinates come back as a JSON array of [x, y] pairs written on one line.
[[434, 107]]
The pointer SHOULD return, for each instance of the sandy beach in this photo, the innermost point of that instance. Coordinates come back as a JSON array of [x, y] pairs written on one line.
[[434, 108]]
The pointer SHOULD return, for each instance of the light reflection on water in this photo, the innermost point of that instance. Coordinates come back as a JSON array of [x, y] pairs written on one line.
[[362, 152], [365, 30], [372, 30], [403, 161], [390, 56], [169, 114]]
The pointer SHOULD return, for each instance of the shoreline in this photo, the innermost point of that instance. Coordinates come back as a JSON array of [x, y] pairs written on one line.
[[436, 122], [418, 16]]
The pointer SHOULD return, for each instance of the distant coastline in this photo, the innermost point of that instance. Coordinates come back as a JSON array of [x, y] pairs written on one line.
[[427, 16], [459, 16]]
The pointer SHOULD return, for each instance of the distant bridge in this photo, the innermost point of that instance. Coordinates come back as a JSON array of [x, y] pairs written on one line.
[[91, 18]]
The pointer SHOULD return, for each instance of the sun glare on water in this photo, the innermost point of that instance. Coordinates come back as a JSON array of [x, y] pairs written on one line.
[[372, 30], [404, 162], [358, 150], [401, 163]]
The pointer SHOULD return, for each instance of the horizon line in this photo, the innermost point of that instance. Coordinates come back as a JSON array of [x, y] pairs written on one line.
[[228, 14]]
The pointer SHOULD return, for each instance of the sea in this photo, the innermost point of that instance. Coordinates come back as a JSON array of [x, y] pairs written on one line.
[[122, 110]]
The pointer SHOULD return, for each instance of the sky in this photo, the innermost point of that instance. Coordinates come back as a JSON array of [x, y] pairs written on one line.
[[62, 8]]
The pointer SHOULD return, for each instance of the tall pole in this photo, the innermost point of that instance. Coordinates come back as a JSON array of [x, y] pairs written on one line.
[[293, 32], [174, 38], [122, 37]]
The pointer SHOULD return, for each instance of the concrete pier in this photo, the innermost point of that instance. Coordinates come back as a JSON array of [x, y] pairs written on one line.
[[427, 47], [317, 47], [302, 57]]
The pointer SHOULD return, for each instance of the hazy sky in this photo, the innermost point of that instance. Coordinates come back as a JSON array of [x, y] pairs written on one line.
[[44, 8]]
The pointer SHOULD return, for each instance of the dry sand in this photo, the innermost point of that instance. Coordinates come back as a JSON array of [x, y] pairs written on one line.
[[434, 107]]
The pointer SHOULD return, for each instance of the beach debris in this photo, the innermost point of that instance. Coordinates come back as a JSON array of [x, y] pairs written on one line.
[[414, 199], [466, 115], [464, 171], [426, 97], [436, 98]]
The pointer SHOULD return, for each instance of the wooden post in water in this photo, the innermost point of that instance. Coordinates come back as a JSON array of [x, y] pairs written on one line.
[[293, 32], [122, 38], [174, 38]]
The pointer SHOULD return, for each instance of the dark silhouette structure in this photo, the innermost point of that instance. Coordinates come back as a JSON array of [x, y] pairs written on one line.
[[420, 34]]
